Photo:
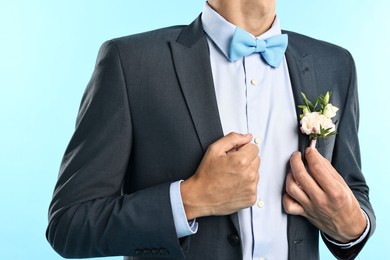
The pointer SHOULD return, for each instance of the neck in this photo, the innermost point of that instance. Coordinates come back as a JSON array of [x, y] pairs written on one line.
[[254, 16]]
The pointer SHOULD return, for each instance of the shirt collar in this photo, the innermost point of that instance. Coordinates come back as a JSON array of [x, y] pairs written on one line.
[[221, 32]]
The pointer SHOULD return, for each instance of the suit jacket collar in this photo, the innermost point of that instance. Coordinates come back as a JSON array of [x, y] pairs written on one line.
[[302, 77]]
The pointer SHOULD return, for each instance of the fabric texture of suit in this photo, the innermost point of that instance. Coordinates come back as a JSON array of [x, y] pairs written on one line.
[[146, 119]]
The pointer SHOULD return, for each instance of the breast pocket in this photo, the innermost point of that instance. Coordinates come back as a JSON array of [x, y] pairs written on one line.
[[325, 147]]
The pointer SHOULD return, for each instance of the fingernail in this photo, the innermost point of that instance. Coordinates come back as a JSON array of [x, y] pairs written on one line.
[[294, 154], [309, 150]]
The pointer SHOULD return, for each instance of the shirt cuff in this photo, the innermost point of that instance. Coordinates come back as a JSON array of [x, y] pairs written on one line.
[[355, 242], [183, 226]]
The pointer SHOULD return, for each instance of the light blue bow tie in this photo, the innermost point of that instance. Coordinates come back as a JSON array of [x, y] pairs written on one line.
[[272, 49]]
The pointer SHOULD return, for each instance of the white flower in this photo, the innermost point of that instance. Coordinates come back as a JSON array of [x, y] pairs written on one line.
[[311, 123], [318, 124], [330, 110]]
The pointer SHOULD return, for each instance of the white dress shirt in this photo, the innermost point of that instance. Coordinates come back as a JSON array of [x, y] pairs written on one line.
[[255, 98]]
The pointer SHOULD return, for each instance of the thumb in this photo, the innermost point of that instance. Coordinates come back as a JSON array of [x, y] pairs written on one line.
[[232, 141]]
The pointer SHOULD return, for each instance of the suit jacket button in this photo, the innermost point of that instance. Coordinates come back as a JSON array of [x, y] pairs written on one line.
[[233, 239], [163, 251], [138, 252], [146, 252]]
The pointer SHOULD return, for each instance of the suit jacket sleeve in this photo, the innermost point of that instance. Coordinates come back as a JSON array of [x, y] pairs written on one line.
[[346, 159], [88, 215]]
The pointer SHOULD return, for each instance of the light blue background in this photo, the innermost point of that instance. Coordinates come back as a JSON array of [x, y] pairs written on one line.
[[47, 54]]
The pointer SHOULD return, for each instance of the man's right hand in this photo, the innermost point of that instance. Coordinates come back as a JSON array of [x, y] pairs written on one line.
[[226, 179]]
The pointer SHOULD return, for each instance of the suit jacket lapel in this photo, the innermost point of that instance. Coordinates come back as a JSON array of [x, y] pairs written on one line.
[[192, 63], [301, 70], [302, 76], [191, 58]]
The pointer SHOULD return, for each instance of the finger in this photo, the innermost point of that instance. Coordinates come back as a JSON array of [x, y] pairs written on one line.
[[230, 142], [291, 206], [249, 151], [320, 172], [256, 165], [309, 186], [334, 172], [294, 189]]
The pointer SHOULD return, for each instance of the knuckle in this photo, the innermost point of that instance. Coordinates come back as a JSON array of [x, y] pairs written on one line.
[[242, 162], [289, 189], [321, 202], [288, 207], [301, 173], [257, 178], [233, 136], [255, 148], [338, 196], [293, 178], [254, 164], [287, 204], [316, 167], [257, 161], [254, 189], [298, 176], [249, 177], [213, 148]]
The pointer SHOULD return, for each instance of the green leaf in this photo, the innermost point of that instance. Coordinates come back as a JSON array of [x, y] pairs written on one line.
[[305, 99], [326, 99], [315, 106], [307, 102], [331, 134]]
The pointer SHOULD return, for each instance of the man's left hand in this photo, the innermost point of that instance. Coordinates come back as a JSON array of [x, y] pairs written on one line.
[[323, 197]]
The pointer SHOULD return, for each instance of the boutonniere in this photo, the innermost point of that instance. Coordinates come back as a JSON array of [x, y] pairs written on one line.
[[316, 119]]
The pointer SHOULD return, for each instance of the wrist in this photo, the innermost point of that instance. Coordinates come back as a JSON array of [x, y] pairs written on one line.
[[358, 225], [362, 237], [191, 197]]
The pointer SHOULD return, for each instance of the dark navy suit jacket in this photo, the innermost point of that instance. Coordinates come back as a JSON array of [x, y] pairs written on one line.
[[146, 119]]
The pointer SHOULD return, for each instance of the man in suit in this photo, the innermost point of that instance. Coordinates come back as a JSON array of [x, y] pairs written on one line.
[[152, 171]]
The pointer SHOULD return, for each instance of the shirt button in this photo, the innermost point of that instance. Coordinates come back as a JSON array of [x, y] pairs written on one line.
[[261, 258], [260, 204], [254, 82], [257, 140]]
